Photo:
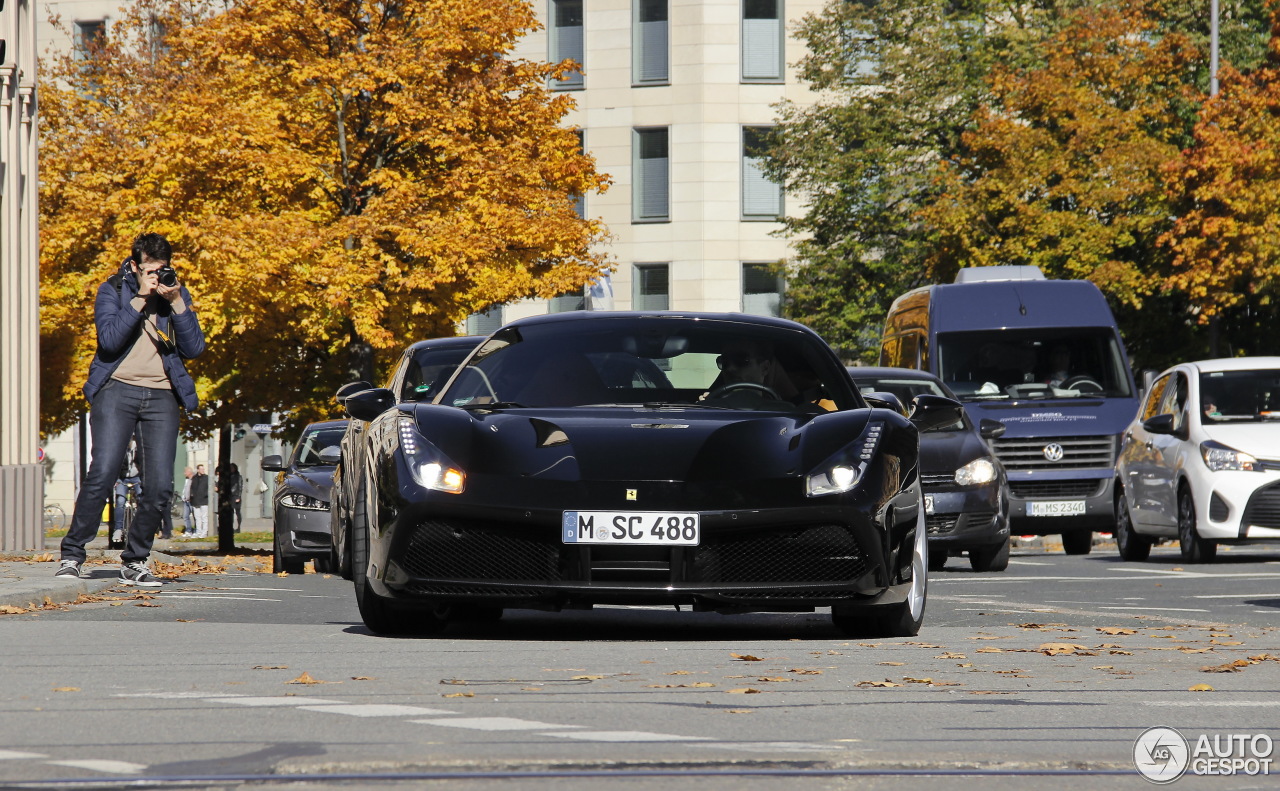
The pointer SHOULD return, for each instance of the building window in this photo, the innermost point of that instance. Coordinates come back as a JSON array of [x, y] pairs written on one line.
[[565, 39], [651, 167], [762, 39], [579, 199], [650, 42], [761, 290], [651, 287], [89, 36], [761, 198], [486, 322], [567, 302]]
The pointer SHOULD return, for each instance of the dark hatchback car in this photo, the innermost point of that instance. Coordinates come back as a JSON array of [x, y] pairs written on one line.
[[965, 493], [423, 369], [722, 462], [301, 502]]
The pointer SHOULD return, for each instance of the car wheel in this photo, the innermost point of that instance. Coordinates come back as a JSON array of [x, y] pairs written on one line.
[[994, 557], [324, 563], [344, 559], [937, 559], [1131, 545], [1194, 548], [1079, 542], [902, 619], [281, 562], [379, 614]]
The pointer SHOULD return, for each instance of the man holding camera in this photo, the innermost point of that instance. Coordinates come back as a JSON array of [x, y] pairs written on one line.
[[137, 381]]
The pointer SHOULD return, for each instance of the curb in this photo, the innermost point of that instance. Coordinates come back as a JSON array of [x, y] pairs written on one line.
[[33, 592]]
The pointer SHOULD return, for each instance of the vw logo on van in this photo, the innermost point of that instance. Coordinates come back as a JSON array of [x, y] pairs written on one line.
[[1053, 451]]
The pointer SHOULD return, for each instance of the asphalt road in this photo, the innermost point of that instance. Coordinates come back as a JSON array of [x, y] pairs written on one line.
[[1041, 675]]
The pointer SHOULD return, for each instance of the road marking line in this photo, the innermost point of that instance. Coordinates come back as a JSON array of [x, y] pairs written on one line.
[[376, 710], [1236, 596], [219, 597], [271, 701], [1027, 563], [1198, 703], [625, 736], [760, 747], [272, 590], [175, 695], [13, 755], [112, 767], [494, 724], [1154, 609]]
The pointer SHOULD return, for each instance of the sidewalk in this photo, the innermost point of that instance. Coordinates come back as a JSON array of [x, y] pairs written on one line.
[[29, 582]]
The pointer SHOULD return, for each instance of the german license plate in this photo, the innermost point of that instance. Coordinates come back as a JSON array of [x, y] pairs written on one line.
[[662, 528], [1055, 508]]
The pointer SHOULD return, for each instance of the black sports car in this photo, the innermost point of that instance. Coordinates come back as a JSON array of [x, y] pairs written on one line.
[[423, 369], [720, 461], [966, 498], [300, 506]]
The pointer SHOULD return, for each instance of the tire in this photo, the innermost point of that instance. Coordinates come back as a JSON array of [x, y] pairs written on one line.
[[902, 619], [1194, 548], [993, 557], [380, 615], [1131, 545], [281, 562], [938, 559], [1078, 542], [344, 562], [324, 563]]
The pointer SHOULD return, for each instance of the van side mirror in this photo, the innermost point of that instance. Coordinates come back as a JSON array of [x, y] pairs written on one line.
[[990, 429], [368, 404], [885, 401], [273, 463], [331, 455], [1160, 424], [934, 411]]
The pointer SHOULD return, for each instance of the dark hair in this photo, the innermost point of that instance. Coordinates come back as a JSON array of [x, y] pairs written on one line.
[[153, 245]]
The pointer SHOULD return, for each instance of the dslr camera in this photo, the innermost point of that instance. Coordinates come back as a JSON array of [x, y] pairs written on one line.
[[166, 276]]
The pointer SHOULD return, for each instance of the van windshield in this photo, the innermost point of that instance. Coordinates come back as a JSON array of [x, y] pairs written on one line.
[[1035, 363]]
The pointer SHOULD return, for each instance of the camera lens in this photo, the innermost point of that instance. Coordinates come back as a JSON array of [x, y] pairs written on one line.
[[166, 276]]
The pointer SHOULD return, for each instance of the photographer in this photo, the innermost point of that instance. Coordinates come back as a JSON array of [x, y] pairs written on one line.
[[137, 381]]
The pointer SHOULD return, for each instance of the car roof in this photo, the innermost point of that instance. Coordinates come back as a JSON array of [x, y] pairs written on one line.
[[879, 372], [1237, 364], [460, 342], [602, 315], [319, 424]]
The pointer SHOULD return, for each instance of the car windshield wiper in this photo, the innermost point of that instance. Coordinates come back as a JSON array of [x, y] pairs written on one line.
[[494, 405]]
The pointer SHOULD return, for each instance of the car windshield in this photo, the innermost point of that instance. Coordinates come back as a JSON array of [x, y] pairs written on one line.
[[313, 441], [905, 389], [1036, 363], [1240, 396], [654, 361], [428, 371]]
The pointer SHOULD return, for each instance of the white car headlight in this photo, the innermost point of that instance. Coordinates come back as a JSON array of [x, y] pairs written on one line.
[[833, 480], [842, 471], [976, 473], [430, 467], [295, 500], [1219, 457]]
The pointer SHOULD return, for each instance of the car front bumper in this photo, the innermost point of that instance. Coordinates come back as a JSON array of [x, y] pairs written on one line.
[[302, 532], [1238, 505], [962, 519]]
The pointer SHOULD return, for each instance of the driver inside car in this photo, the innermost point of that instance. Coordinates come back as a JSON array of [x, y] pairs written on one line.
[[749, 373]]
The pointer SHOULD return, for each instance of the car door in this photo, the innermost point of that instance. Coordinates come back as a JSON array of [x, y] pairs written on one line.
[[1136, 459], [1166, 453]]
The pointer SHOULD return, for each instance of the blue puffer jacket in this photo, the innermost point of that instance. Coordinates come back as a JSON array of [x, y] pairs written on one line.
[[120, 326]]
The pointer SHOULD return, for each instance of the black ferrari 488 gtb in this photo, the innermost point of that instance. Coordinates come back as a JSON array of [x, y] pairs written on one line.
[[725, 462]]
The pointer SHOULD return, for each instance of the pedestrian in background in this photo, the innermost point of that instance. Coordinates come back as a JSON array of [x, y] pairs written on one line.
[[188, 518], [200, 501], [235, 488], [137, 384]]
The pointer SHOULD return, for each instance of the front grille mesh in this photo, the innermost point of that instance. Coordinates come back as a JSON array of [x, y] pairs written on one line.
[[1263, 509], [934, 480], [823, 553], [459, 549], [1028, 453], [1080, 488], [945, 524]]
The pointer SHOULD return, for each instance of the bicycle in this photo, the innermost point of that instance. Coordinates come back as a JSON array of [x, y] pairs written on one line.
[[54, 517], [120, 536]]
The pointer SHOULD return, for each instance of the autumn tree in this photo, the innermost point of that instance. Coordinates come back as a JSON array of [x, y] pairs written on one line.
[[338, 179]]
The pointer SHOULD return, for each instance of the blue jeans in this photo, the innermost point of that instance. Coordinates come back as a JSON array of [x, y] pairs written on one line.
[[117, 411]]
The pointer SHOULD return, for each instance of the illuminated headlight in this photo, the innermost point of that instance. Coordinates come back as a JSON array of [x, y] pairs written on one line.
[[976, 473], [303, 501], [430, 467], [842, 472], [1219, 458], [833, 480]]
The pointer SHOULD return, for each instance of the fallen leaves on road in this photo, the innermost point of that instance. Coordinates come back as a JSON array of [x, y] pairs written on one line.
[[1226, 642], [6, 609], [363, 678], [1229, 667], [1061, 649], [744, 691], [586, 678], [775, 679], [885, 683], [679, 673], [306, 678], [1116, 630], [892, 664], [454, 681], [459, 695], [746, 658], [950, 655], [805, 671], [988, 692], [66, 689], [696, 684], [740, 711], [1200, 688], [270, 667]]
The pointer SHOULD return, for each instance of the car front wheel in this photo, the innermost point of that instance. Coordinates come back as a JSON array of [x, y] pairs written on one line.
[[1194, 548], [901, 619], [990, 558], [1079, 542], [1131, 545]]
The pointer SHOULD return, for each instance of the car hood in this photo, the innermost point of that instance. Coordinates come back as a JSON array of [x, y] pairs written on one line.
[[948, 451], [626, 443], [312, 481], [1261, 440]]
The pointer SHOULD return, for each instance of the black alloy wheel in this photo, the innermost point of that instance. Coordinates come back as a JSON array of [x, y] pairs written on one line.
[[1078, 542], [1132, 546], [1194, 548], [993, 557], [901, 619]]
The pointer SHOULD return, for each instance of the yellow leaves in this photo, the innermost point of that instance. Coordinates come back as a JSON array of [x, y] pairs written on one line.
[[1200, 688], [66, 689], [746, 658], [1060, 649], [1116, 630], [306, 678]]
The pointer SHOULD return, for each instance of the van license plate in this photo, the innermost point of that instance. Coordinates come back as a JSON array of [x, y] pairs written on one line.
[[1055, 508], [661, 528]]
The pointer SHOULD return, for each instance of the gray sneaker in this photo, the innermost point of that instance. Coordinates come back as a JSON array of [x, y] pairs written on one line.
[[68, 568], [137, 573]]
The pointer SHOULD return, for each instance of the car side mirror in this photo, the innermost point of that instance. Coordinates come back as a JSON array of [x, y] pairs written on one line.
[[1160, 424], [349, 389], [368, 404], [331, 455], [885, 401], [934, 411], [990, 429], [273, 464]]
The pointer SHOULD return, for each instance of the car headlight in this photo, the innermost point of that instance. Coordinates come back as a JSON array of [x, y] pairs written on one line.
[[976, 473], [1219, 457], [431, 469], [842, 472], [294, 500]]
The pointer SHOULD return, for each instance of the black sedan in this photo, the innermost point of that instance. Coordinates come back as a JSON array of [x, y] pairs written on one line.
[[965, 494], [301, 502], [423, 369], [718, 461]]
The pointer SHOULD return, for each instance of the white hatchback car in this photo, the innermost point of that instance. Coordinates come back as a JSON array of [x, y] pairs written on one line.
[[1201, 462]]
